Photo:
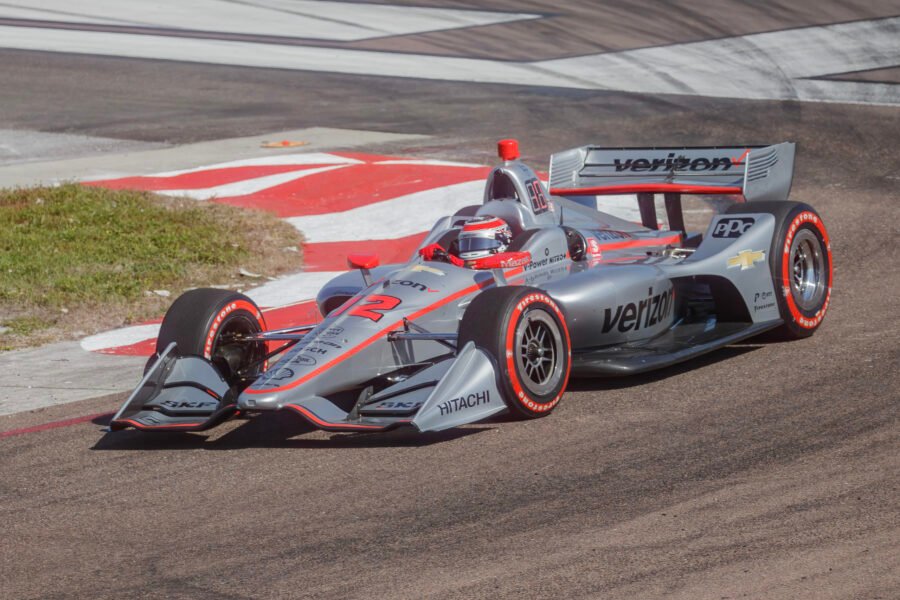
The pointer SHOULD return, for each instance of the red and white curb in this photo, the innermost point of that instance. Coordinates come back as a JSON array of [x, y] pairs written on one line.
[[342, 203]]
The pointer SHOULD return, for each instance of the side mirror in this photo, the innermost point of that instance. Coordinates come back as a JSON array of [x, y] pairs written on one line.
[[363, 262]]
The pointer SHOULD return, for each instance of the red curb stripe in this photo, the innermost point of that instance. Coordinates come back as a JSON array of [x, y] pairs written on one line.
[[53, 425], [331, 256], [353, 187]]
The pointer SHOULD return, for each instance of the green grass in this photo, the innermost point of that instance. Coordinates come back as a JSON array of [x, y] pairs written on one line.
[[72, 247]]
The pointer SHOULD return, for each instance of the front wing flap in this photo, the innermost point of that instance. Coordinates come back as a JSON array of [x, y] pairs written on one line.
[[178, 393]]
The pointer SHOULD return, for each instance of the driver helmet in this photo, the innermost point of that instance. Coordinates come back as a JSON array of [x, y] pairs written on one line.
[[483, 236]]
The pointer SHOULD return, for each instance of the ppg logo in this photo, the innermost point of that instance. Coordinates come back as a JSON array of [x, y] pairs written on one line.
[[733, 227]]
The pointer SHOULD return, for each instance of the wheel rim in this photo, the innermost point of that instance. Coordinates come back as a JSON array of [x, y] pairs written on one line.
[[230, 349], [807, 270], [539, 352]]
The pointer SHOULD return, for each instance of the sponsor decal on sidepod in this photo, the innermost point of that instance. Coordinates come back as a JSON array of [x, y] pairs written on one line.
[[733, 227], [644, 313]]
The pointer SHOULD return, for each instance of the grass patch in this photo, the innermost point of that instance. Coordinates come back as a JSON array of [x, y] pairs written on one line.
[[76, 259]]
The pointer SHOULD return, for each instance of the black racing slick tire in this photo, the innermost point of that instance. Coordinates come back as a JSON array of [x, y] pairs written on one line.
[[801, 265], [525, 332], [210, 323]]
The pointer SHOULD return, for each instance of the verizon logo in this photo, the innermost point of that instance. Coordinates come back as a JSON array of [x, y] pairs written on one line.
[[677, 163]]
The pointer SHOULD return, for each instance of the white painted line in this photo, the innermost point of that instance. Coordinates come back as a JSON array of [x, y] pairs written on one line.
[[772, 66], [291, 289], [323, 20], [759, 66], [120, 337], [247, 186], [309, 158], [425, 161], [331, 60]]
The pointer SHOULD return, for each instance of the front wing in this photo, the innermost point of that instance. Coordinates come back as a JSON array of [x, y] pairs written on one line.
[[187, 393]]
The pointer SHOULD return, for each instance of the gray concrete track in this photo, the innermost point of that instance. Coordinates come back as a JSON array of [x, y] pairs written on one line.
[[761, 471]]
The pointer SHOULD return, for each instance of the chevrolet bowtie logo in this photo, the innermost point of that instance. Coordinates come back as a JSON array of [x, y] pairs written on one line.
[[746, 259], [427, 269]]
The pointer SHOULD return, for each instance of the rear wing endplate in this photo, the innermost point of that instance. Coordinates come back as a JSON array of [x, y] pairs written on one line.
[[756, 172]]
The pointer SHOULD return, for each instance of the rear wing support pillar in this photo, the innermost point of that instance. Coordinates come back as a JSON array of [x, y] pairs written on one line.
[[647, 206], [674, 213]]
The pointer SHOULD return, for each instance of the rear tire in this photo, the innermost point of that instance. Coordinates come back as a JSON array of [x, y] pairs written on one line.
[[801, 265], [525, 332], [209, 322]]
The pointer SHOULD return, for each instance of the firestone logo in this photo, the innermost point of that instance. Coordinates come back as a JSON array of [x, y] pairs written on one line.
[[207, 349]]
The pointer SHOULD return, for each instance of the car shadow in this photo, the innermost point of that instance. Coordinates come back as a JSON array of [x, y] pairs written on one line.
[[281, 429], [591, 384], [275, 430]]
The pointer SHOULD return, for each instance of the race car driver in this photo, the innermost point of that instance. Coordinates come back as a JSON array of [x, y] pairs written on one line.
[[480, 240]]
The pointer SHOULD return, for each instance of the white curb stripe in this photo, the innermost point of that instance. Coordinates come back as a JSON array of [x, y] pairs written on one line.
[[120, 337], [390, 219], [310, 158]]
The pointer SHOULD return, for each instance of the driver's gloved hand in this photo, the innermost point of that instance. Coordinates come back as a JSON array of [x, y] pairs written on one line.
[[438, 253]]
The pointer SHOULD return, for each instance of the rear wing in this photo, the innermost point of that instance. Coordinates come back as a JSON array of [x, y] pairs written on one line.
[[756, 172]]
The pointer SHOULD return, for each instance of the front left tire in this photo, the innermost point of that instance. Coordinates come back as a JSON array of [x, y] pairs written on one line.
[[212, 323]]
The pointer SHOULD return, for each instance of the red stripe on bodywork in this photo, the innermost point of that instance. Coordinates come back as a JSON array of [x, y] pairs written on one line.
[[642, 242], [372, 339], [649, 188], [138, 425]]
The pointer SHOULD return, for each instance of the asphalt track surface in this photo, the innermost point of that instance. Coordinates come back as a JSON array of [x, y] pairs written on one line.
[[761, 471]]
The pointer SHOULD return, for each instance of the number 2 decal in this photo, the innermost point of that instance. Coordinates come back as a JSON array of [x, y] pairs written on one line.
[[370, 307], [538, 200]]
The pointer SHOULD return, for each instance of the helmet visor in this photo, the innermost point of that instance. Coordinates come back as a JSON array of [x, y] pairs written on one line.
[[477, 244]]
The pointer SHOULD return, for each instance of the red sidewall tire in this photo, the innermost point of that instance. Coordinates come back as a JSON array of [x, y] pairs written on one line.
[[790, 219], [801, 322], [197, 317], [492, 320]]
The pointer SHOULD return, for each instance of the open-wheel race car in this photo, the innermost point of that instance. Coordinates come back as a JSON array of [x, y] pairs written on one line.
[[504, 300]]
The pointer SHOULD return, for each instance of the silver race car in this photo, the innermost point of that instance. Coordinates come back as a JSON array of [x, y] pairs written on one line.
[[504, 300]]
